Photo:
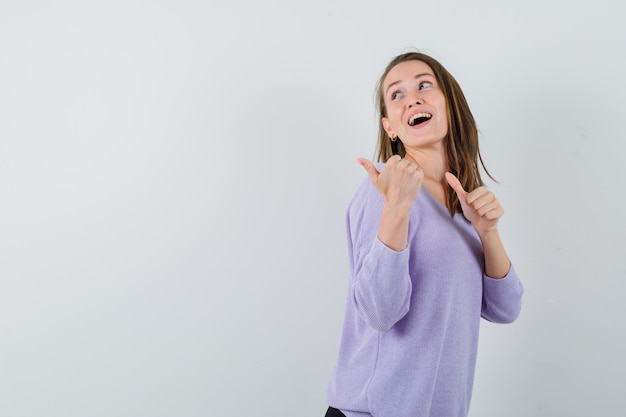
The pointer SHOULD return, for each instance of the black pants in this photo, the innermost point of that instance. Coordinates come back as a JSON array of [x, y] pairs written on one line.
[[333, 412]]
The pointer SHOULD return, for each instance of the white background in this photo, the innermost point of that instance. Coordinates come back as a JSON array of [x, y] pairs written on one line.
[[174, 177]]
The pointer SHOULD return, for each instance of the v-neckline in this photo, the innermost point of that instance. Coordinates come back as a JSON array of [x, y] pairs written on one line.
[[432, 197]]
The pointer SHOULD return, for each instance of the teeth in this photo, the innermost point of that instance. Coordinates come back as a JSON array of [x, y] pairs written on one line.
[[417, 116]]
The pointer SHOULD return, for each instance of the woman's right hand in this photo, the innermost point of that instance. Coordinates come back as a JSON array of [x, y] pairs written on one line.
[[399, 182]]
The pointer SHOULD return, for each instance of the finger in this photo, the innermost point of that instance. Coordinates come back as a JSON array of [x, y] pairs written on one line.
[[394, 159], [408, 164], [455, 184], [494, 214], [480, 197], [491, 210], [477, 194], [370, 168]]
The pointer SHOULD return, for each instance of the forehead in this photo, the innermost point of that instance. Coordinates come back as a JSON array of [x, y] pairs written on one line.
[[407, 70]]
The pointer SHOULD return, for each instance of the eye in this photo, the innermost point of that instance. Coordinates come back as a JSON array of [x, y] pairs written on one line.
[[396, 95], [425, 84]]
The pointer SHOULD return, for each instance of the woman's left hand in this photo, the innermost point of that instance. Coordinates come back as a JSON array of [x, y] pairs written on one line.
[[480, 206]]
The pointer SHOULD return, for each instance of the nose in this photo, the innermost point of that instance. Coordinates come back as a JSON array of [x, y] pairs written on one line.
[[415, 101]]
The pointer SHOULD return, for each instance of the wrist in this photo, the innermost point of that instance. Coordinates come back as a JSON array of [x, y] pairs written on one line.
[[398, 207], [488, 234], [394, 226]]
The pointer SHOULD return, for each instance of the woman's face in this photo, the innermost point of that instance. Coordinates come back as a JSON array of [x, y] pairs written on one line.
[[416, 107]]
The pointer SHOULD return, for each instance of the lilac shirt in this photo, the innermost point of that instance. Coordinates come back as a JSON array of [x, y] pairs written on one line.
[[410, 334]]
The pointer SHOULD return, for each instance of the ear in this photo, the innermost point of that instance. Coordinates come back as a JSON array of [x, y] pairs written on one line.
[[387, 127]]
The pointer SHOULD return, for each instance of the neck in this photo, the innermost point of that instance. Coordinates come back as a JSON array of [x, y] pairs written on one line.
[[433, 162]]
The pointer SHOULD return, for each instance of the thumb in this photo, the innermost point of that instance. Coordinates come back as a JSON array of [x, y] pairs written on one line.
[[456, 185], [370, 168]]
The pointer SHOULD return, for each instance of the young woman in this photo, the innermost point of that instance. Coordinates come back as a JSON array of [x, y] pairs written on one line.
[[426, 257]]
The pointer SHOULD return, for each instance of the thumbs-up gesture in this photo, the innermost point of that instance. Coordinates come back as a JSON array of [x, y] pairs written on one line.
[[399, 182], [480, 206]]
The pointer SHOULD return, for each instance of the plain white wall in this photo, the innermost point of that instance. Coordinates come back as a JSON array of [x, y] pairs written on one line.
[[174, 176]]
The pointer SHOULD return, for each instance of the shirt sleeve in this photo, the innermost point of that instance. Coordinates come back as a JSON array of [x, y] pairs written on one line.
[[502, 298], [380, 286]]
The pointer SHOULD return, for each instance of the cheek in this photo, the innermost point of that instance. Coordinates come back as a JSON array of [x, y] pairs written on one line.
[[443, 112], [443, 121], [444, 127], [397, 114]]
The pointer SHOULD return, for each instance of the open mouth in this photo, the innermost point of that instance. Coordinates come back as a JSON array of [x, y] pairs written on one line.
[[419, 118]]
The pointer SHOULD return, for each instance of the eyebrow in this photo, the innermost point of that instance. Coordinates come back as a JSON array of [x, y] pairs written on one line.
[[399, 81]]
